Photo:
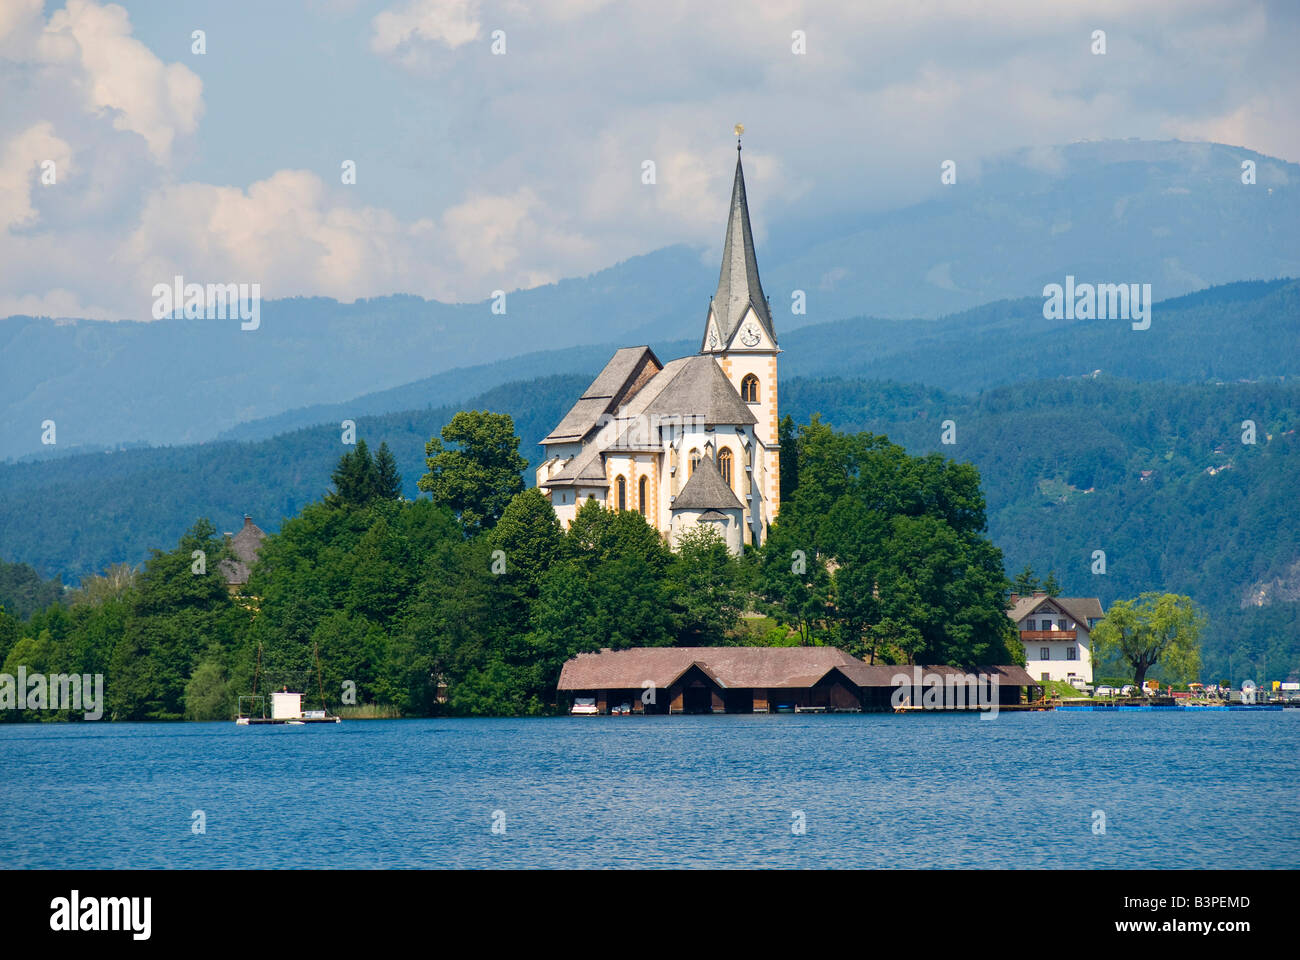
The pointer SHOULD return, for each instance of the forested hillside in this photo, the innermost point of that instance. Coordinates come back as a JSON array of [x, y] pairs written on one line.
[[76, 515], [1062, 463]]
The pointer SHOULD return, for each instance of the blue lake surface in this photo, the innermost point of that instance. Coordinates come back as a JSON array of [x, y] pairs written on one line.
[[1021, 790]]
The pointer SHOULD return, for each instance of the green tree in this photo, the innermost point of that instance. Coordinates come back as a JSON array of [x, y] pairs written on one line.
[[477, 478], [794, 581], [1026, 583], [882, 553], [530, 536], [387, 481], [1051, 585], [180, 602], [114, 583], [353, 478], [788, 438], [1155, 628], [207, 693], [706, 584]]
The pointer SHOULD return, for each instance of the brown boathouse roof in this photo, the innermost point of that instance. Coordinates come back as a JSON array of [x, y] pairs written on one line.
[[741, 668], [730, 667]]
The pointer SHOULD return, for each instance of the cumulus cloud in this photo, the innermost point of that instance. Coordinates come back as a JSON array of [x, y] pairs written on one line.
[[22, 163], [120, 74], [403, 33], [533, 170], [288, 234]]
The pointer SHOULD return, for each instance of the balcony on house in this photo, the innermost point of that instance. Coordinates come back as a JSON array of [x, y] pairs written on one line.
[[1049, 634]]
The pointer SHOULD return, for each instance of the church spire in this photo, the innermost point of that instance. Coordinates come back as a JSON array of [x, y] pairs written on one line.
[[738, 284]]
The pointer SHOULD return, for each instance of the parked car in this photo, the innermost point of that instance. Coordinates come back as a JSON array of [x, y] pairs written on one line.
[[1128, 690], [584, 707], [1105, 692]]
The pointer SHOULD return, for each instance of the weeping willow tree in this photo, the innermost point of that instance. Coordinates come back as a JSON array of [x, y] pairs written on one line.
[[1162, 628]]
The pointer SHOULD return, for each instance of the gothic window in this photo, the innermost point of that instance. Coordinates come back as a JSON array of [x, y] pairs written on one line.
[[724, 464], [749, 388], [695, 459], [642, 494], [621, 486]]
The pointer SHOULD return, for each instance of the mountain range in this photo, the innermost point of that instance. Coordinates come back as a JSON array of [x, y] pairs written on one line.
[[1172, 214]]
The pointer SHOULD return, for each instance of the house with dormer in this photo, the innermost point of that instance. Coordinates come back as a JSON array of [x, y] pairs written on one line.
[[1057, 634], [692, 441]]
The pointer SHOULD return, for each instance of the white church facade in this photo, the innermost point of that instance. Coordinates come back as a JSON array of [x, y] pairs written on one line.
[[691, 441]]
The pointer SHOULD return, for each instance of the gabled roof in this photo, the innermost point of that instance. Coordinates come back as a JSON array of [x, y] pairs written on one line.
[[739, 668], [701, 389], [738, 284], [586, 469], [706, 490], [628, 370], [885, 675], [245, 546], [1080, 609], [729, 667]]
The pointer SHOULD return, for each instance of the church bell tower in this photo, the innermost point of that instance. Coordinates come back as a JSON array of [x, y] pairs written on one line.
[[740, 335]]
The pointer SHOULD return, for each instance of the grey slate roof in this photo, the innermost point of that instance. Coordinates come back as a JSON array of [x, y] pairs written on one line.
[[701, 389], [245, 546], [586, 469], [693, 386], [1080, 609], [738, 283], [706, 490], [611, 388]]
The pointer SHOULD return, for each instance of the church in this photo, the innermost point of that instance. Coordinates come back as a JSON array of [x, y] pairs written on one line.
[[692, 441]]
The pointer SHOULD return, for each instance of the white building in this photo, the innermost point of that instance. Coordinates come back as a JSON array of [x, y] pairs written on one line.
[[1057, 634], [688, 442]]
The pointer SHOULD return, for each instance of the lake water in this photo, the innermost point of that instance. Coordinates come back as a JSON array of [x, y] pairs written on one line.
[[1021, 790]]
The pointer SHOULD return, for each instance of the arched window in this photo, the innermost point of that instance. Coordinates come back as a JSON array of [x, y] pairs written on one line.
[[695, 459], [642, 494], [749, 388], [621, 485], [724, 464]]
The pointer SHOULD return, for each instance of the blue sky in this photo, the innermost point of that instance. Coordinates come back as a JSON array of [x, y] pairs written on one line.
[[478, 171]]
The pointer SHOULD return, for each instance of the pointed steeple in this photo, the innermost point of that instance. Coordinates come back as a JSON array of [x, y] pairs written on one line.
[[738, 284]]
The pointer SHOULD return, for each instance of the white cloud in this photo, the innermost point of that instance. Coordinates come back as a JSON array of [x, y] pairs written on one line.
[[288, 234], [21, 163], [156, 100], [542, 176], [404, 33], [19, 22]]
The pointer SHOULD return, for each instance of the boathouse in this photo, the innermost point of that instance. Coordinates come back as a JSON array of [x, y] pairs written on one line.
[[763, 680]]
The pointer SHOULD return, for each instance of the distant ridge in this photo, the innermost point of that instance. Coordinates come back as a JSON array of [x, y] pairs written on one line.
[[966, 352], [1171, 214]]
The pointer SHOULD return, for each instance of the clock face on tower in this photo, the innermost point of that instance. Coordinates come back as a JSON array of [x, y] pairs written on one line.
[[749, 334]]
